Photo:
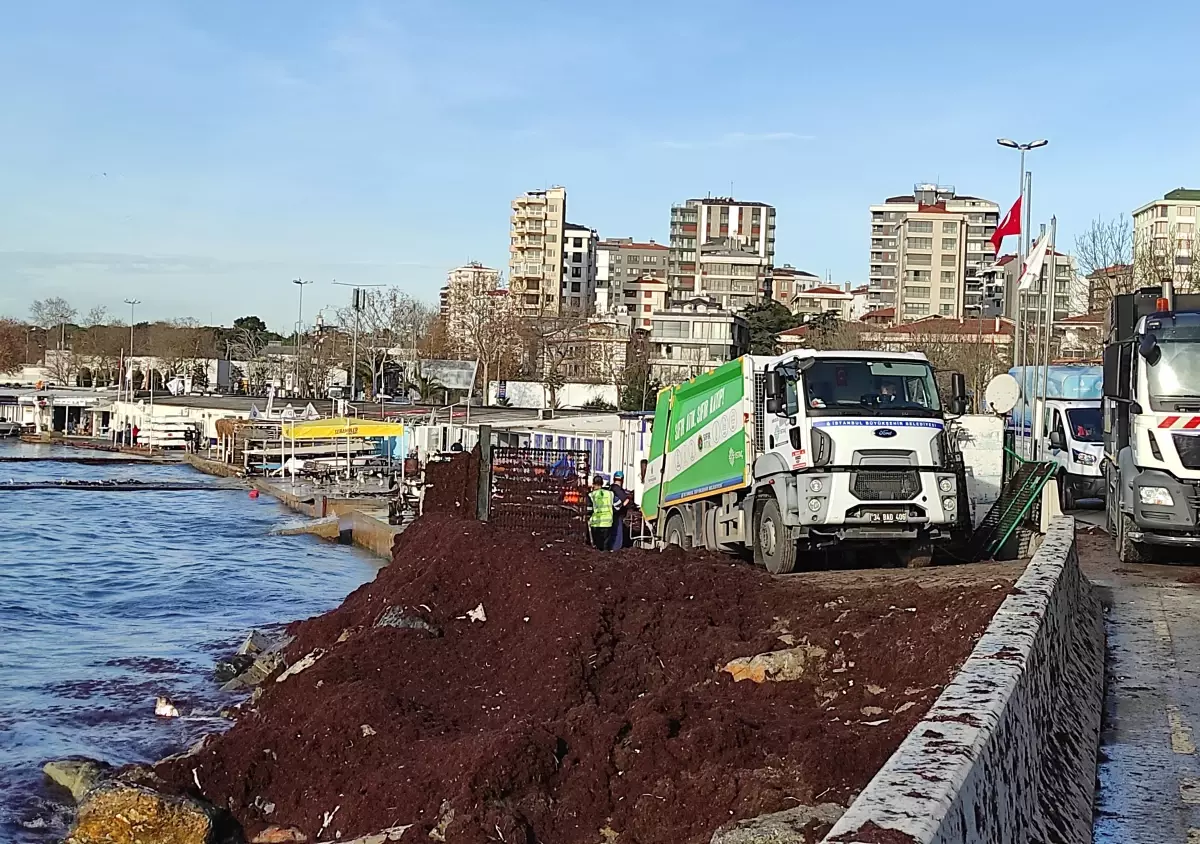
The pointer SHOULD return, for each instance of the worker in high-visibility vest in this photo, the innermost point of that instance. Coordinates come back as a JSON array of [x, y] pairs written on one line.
[[600, 515]]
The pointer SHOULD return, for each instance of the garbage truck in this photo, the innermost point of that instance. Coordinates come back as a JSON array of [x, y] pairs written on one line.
[[775, 455], [1152, 422]]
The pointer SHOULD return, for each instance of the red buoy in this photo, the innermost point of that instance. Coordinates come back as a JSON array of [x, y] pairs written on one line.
[[254, 493]]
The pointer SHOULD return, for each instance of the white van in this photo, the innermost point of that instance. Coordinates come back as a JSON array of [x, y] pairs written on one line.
[[1075, 440]]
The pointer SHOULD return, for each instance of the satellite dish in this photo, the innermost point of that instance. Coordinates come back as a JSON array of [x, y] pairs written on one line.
[[1002, 393]]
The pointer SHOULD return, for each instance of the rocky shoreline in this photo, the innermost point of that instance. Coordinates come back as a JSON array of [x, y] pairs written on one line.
[[491, 686]]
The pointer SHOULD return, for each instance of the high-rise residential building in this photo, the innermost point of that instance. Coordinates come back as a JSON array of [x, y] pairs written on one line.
[[1164, 234], [579, 269], [642, 297], [464, 286], [620, 260], [1070, 292], [749, 225], [929, 251], [535, 264]]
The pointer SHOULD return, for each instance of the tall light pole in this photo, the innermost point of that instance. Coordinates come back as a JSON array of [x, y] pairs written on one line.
[[132, 303], [299, 325], [357, 300], [1020, 329]]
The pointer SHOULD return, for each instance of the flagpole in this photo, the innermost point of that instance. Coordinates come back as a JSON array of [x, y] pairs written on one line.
[[1051, 274]]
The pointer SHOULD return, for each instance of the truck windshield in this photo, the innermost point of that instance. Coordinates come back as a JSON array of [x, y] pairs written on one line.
[[1174, 378], [834, 387], [1086, 426]]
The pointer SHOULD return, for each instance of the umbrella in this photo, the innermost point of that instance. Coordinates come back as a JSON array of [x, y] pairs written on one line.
[[320, 429]]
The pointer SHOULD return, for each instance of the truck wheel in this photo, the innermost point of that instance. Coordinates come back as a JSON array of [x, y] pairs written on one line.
[[1129, 551], [774, 540], [675, 534], [1066, 495]]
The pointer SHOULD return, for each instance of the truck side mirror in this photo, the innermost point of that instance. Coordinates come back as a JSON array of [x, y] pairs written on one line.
[[775, 404], [774, 384], [958, 387], [1148, 349], [1056, 440]]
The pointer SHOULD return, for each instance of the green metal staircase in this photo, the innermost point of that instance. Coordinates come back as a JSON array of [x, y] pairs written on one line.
[[1020, 493]]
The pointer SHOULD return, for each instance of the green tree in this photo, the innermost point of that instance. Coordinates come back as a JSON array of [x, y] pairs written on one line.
[[638, 388], [766, 320]]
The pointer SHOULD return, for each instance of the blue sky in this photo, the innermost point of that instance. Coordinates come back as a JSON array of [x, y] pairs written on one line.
[[199, 155]]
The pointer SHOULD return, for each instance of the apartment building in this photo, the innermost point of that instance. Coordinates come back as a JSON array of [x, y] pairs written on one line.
[[823, 299], [641, 298], [464, 286], [620, 260], [730, 274], [786, 281], [694, 336], [535, 264], [579, 268], [929, 251], [750, 225], [1070, 292], [1164, 234]]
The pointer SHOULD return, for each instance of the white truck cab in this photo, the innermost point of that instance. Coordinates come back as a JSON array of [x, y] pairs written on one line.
[[1074, 439]]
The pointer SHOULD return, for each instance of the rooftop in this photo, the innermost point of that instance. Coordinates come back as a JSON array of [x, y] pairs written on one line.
[[575, 227], [788, 269], [726, 200], [1184, 194], [626, 243], [823, 291], [1082, 319], [945, 325]]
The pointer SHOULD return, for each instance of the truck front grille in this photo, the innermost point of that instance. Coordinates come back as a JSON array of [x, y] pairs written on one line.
[[894, 485], [1188, 446]]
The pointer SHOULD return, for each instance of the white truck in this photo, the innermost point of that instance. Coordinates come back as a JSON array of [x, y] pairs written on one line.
[[806, 450], [1152, 422], [1070, 432]]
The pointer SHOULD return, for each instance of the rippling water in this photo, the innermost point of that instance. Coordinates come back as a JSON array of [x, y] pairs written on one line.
[[109, 599]]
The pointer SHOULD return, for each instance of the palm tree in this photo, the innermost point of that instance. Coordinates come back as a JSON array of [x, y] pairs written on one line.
[[427, 387]]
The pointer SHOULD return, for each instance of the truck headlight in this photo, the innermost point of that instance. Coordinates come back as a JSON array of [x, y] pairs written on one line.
[[814, 504], [1083, 458], [946, 485], [948, 504], [1156, 495], [815, 485]]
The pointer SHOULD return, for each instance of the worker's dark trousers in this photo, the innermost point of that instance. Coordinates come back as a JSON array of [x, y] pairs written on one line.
[[601, 537]]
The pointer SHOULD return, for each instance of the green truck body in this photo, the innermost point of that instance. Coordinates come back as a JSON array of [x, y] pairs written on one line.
[[702, 441]]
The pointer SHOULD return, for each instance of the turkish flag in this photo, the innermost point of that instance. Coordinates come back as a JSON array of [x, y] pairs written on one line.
[[1011, 224]]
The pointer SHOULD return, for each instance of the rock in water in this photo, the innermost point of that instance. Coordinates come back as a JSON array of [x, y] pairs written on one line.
[[118, 813], [77, 775]]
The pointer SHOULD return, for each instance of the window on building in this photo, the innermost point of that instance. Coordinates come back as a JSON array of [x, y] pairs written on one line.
[[919, 275], [946, 310], [1186, 211], [1160, 227], [632, 259], [1185, 229], [531, 298], [947, 275], [916, 293], [946, 292], [949, 228], [551, 238], [576, 272], [552, 207], [646, 308], [916, 308], [577, 257], [649, 259], [920, 260], [921, 226], [577, 242], [1160, 211], [950, 243], [949, 260], [919, 242]]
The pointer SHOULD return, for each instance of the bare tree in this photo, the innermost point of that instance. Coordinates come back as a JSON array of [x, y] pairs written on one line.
[[556, 349], [12, 350], [98, 315], [1166, 255], [54, 312], [391, 324], [1104, 256], [491, 332]]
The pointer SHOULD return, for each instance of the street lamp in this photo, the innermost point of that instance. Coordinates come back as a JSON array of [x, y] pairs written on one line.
[[132, 303], [358, 298], [299, 326]]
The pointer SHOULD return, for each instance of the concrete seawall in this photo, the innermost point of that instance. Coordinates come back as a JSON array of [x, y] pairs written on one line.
[[1008, 752]]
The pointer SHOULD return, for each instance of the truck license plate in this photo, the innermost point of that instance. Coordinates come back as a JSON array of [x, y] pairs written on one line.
[[888, 517]]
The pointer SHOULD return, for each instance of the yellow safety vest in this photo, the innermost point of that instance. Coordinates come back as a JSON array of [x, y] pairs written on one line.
[[602, 508]]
